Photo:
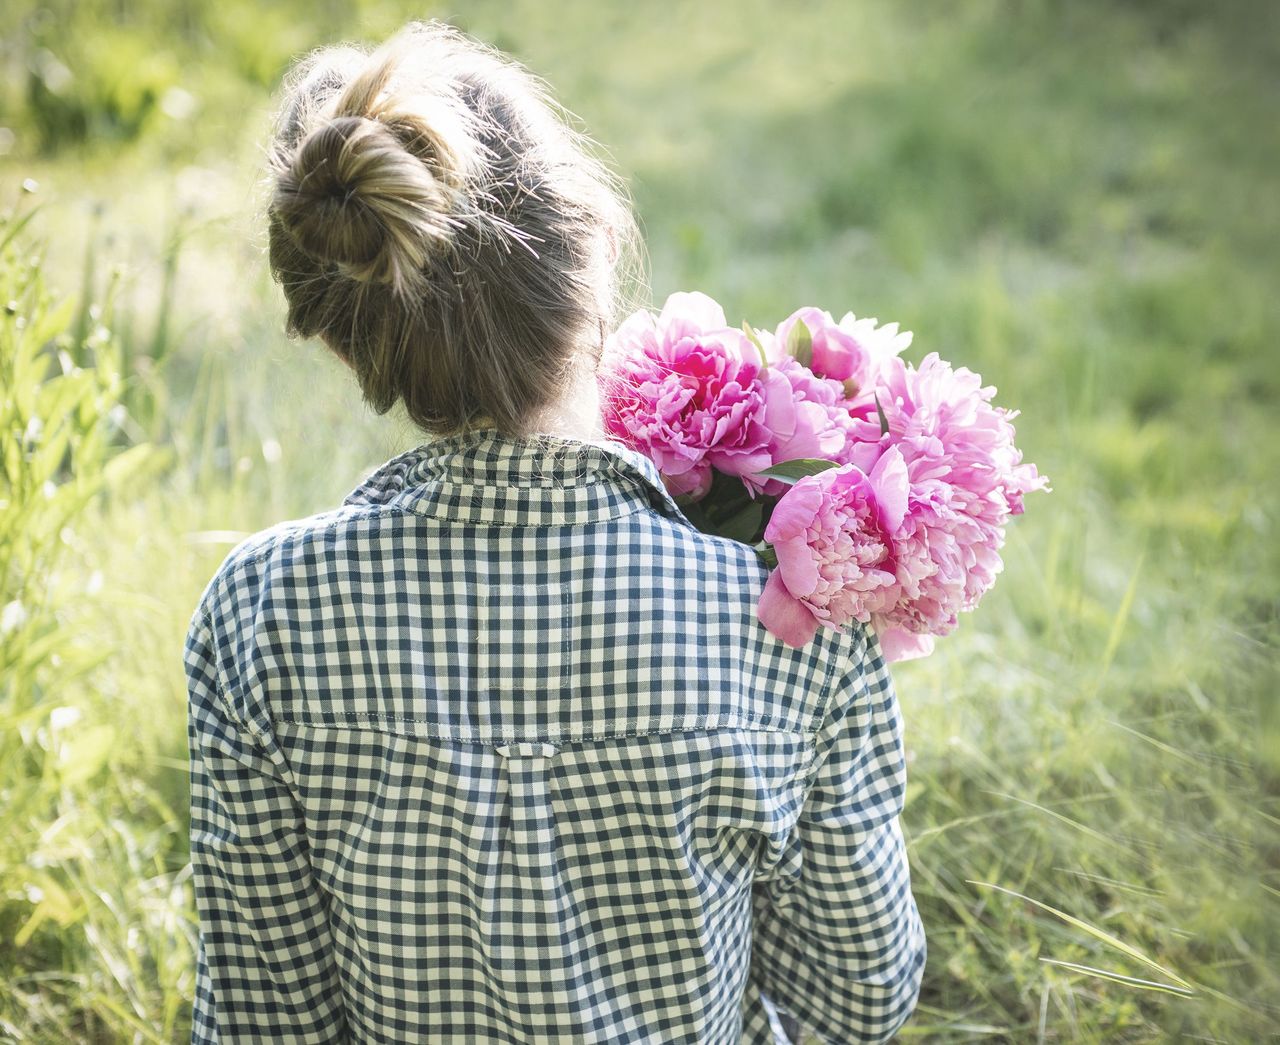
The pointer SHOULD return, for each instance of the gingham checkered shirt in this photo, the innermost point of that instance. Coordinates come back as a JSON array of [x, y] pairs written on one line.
[[498, 751]]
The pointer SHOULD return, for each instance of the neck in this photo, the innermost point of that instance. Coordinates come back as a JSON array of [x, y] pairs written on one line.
[[577, 414]]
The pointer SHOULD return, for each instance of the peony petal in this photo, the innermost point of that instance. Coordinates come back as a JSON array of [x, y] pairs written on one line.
[[898, 644], [865, 455], [636, 337], [693, 482], [783, 615], [797, 566], [779, 404], [889, 480], [690, 313], [794, 512], [837, 355]]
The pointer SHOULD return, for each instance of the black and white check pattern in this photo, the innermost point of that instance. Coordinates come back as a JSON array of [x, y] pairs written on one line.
[[499, 752]]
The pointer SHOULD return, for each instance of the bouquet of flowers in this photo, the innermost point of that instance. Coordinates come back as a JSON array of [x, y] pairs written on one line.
[[874, 490]]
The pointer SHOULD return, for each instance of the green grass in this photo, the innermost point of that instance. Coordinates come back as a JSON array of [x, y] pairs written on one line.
[[1076, 200]]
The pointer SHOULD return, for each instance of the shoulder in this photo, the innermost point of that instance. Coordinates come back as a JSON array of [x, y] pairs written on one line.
[[720, 549], [726, 579], [247, 570], [668, 548]]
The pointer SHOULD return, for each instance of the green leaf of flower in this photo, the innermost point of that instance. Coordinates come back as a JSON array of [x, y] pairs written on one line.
[[791, 472], [766, 553], [755, 340], [884, 421], [742, 526], [800, 343]]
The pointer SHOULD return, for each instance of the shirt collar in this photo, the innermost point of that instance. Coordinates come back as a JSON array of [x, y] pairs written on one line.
[[484, 476]]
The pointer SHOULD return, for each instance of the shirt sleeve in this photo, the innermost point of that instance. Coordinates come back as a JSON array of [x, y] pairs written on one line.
[[265, 970], [837, 939]]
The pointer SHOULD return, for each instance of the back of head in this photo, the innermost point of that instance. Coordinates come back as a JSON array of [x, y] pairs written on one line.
[[438, 224]]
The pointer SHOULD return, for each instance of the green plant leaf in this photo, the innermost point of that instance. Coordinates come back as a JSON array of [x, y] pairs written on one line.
[[800, 343], [884, 421], [755, 340], [743, 525], [85, 754], [50, 322], [57, 906], [132, 464], [695, 512], [17, 225], [793, 471]]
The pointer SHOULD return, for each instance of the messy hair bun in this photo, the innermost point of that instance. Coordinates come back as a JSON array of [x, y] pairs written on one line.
[[354, 195], [435, 220]]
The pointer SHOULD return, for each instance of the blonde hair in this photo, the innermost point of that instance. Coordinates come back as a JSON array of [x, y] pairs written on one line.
[[436, 220]]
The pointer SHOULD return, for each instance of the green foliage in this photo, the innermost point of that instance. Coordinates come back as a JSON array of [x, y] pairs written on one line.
[[89, 841], [728, 510], [115, 91], [1075, 200], [791, 472], [98, 72]]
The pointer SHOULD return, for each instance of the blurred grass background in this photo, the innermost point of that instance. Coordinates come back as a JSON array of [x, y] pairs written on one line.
[[1078, 200]]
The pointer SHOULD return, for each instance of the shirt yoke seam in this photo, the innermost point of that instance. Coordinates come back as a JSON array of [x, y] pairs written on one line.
[[532, 737], [364, 511], [407, 511]]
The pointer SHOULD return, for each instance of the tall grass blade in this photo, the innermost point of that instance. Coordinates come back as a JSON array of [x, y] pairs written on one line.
[[1118, 622], [18, 226], [1117, 977], [1096, 933]]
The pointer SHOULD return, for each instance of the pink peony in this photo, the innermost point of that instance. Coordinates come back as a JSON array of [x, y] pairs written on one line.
[[966, 480], [852, 351], [904, 533], [692, 394], [821, 422], [833, 536]]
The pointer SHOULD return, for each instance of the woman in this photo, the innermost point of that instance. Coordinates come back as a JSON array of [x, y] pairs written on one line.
[[498, 750]]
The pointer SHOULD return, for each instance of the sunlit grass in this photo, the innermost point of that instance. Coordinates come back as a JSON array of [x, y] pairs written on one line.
[[1076, 201]]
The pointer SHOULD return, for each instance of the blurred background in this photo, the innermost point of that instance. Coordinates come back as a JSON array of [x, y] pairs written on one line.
[[1078, 200]]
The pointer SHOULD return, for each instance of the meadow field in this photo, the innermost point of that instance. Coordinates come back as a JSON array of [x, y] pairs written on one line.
[[1078, 200]]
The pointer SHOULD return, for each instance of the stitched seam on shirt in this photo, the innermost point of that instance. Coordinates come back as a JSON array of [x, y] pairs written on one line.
[[378, 510], [220, 686], [365, 511], [811, 735], [373, 511], [809, 771], [505, 738], [465, 513], [252, 727]]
